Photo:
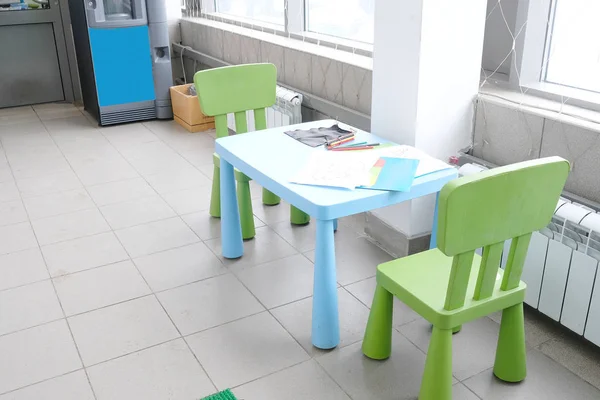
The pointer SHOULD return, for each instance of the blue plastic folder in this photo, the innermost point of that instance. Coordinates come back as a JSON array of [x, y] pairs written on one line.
[[397, 174]]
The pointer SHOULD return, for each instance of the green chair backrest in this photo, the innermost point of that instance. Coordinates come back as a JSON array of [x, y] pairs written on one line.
[[235, 90], [485, 210]]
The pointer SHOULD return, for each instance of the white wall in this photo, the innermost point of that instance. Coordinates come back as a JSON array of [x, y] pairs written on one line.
[[427, 58]]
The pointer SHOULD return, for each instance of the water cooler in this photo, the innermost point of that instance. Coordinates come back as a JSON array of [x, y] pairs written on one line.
[[124, 58]]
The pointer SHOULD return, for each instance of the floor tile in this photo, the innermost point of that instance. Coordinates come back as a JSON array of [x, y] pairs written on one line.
[[461, 392], [581, 358], [50, 111], [364, 291], [27, 306], [127, 135], [99, 287], [5, 171], [187, 178], [21, 268], [136, 212], [121, 329], [52, 204], [207, 227], [167, 371], [12, 212], [297, 319], [473, 348], [208, 303], [105, 171], [41, 168], [189, 200], [76, 123], [398, 377], [120, 191], [176, 267], [279, 282], [266, 246], [304, 238], [545, 380], [154, 158], [9, 191], [72, 386], [16, 237], [37, 354], [157, 236], [356, 259], [306, 381], [83, 253], [245, 350], [270, 215], [69, 226], [52, 183]]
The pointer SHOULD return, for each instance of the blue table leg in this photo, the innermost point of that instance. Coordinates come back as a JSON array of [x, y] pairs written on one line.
[[335, 225], [325, 320], [433, 240], [231, 230]]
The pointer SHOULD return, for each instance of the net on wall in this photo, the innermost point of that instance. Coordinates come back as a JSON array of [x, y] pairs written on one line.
[[532, 46]]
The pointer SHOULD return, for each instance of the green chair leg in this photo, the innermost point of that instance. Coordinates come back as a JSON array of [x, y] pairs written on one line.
[[437, 378], [511, 364], [298, 217], [377, 343], [215, 196], [270, 199], [245, 207]]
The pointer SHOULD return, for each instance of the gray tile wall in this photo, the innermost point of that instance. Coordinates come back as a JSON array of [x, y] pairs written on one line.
[[506, 133], [343, 84]]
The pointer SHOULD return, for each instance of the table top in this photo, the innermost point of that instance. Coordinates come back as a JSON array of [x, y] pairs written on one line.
[[272, 158]]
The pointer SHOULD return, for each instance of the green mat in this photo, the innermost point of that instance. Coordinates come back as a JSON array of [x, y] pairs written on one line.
[[224, 395]]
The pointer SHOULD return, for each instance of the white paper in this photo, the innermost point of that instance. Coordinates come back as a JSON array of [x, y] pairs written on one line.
[[427, 164], [344, 169]]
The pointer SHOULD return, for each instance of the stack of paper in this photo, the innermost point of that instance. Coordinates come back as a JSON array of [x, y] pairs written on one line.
[[337, 169], [390, 168]]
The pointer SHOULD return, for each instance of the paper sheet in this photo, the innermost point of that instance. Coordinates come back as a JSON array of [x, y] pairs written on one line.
[[427, 164], [337, 169]]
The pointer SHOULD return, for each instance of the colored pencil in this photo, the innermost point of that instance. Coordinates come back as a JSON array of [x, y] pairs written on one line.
[[339, 142], [352, 148]]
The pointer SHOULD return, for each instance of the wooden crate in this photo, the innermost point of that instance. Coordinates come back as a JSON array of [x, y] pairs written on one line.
[[187, 112]]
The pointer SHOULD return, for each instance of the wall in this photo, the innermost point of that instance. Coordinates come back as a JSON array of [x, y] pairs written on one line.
[[499, 33], [335, 77]]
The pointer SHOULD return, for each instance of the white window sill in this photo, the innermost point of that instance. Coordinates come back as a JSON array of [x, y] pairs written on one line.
[[309, 45], [545, 100]]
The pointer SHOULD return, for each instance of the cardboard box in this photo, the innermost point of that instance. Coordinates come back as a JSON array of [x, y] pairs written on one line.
[[187, 112]]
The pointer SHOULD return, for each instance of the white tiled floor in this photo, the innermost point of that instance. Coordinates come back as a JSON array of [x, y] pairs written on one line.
[[112, 285]]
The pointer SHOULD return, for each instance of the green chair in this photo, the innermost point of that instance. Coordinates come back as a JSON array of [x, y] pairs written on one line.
[[451, 285], [235, 90]]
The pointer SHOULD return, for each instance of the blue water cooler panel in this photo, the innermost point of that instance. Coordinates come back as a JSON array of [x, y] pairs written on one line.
[[116, 41]]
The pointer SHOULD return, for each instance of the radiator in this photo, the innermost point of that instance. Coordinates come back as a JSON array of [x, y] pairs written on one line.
[[287, 110], [561, 267]]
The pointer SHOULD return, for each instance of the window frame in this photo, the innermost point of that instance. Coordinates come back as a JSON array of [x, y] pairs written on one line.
[[295, 25], [530, 58]]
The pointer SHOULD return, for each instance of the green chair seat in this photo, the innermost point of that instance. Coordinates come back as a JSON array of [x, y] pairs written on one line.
[[404, 279]]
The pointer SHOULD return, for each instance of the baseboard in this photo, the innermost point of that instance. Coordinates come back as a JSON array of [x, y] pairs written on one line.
[[393, 241]]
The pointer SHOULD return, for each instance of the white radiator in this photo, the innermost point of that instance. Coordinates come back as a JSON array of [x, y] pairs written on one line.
[[561, 267], [286, 111]]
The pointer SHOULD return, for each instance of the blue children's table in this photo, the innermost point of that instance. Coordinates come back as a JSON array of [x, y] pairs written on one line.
[[271, 158]]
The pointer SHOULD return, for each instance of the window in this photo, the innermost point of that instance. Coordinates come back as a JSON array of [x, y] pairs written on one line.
[[348, 19], [270, 11], [573, 56]]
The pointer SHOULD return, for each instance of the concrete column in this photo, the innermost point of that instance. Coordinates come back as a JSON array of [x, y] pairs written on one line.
[[426, 69]]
